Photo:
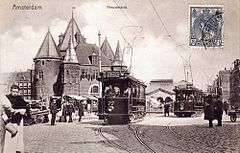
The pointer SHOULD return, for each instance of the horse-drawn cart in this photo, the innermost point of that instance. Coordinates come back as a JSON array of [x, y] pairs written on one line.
[[37, 116]]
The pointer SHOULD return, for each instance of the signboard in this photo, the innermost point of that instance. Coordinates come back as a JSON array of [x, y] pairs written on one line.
[[112, 74]]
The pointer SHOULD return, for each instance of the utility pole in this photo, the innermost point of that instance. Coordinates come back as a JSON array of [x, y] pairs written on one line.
[[100, 62]]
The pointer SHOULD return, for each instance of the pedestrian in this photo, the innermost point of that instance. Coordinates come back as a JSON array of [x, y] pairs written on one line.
[[63, 118], [53, 110], [225, 107], [17, 102], [166, 109], [89, 105], [209, 110], [80, 110], [70, 109], [219, 110], [5, 108]]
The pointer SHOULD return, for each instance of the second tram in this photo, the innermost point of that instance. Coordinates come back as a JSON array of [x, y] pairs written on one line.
[[123, 97], [188, 100]]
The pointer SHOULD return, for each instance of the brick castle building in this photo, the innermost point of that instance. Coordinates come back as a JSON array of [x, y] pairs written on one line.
[[71, 66]]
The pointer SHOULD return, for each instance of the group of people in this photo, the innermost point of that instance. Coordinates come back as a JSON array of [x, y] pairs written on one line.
[[68, 108], [12, 110], [213, 109]]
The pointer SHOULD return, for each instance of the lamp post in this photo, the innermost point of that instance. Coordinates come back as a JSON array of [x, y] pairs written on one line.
[[100, 62]]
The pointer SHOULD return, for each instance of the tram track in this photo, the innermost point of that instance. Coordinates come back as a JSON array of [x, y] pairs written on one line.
[[140, 140], [149, 147], [111, 143], [206, 147]]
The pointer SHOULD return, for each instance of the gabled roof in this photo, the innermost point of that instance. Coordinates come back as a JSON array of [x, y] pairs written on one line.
[[72, 30], [118, 59], [70, 56], [48, 48], [106, 49], [84, 50]]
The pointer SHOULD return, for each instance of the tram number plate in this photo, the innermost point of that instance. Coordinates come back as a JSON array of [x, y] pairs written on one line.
[[112, 74]]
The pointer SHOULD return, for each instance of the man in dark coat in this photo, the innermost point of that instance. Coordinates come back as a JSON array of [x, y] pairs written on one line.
[[70, 109], [53, 110], [80, 110], [225, 107], [219, 111], [209, 110], [18, 102], [166, 109]]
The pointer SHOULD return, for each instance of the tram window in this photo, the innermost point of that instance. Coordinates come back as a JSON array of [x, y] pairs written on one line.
[[110, 91], [117, 91]]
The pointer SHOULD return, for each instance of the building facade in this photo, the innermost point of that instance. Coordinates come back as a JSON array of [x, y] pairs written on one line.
[[235, 84], [23, 79], [160, 88], [71, 67], [221, 85]]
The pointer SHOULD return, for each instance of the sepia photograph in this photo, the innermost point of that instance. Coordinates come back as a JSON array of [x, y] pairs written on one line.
[[120, 76]]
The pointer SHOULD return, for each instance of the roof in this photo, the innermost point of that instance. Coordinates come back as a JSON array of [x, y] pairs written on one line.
[[162, 80], [72, 30], [84, 50], [48, 48], [106, 49], [118, 57], [23, 76]]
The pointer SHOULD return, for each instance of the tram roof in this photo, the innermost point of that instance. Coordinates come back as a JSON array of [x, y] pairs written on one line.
[[125, 78]]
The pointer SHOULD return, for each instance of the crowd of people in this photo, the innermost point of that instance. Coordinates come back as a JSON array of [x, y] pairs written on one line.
[[67, 108]]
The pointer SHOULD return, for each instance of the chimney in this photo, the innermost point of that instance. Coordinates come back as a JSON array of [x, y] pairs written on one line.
[[60, 37]]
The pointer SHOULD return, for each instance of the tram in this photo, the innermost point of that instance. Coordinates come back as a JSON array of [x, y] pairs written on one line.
[[123, 97], [188, 101]]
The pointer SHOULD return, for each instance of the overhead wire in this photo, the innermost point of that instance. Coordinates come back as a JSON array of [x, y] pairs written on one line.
[[175, 41], [168, 33], [129, 43]]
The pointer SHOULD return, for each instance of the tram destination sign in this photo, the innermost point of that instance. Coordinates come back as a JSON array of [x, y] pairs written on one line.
[[112, 74]]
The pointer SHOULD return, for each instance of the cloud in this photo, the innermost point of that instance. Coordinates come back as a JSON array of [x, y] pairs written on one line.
[[57, 26], [156, 58], [17, 52]]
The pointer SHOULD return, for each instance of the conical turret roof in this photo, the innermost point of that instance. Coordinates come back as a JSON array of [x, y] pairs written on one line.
[[118, 57], [70, 56], [106, 49], [48, 48], [72, 30]]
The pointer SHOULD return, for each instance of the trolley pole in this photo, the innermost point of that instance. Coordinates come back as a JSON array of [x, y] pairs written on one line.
[[100, 62]]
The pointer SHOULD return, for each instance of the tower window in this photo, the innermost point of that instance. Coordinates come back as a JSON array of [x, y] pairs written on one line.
[[42, 62], [41, 75]]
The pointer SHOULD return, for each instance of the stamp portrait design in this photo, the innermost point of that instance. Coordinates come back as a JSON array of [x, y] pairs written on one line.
[[206, 26]]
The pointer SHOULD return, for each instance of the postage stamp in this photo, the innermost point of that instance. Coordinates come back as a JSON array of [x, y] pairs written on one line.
[[206, 26]]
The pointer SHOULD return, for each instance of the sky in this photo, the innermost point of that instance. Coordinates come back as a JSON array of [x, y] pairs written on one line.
[[155, 55]]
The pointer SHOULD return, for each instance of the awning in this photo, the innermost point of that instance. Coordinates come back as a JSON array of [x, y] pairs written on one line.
[[91, 97], [76, 97]]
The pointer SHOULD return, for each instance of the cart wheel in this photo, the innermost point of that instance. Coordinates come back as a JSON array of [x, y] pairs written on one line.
[[39, 119], [233, 118]]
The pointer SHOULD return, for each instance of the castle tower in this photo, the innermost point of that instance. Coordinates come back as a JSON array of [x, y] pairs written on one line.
[[73, 31], [47, 62], [118, 62], [70, 71], [118, 57]]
